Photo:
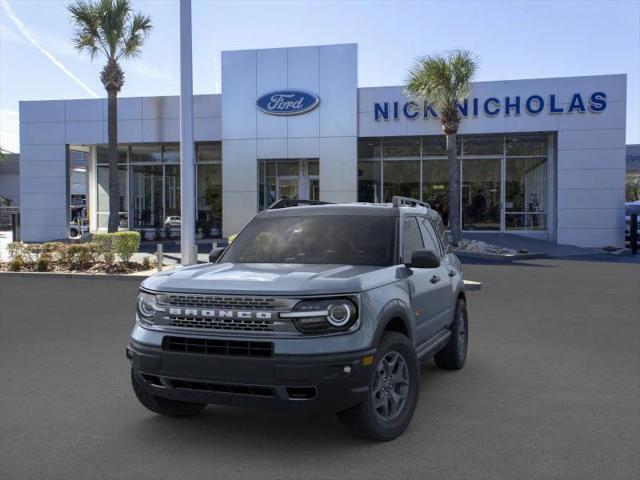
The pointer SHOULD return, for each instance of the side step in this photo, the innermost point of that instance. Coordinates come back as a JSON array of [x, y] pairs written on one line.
[[430, 348]]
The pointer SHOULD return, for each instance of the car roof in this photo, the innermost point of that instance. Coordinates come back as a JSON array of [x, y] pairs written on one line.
[[356, 209]]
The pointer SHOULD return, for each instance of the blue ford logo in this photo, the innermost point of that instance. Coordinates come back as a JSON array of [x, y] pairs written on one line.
[[287, 102]]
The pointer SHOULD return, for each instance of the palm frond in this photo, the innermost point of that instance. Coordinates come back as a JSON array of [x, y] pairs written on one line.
[[139, 29], [442, 80]]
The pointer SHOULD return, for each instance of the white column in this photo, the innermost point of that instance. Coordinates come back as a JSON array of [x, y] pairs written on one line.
[[187, 148]]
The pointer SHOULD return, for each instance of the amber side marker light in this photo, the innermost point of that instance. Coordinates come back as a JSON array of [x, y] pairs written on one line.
[[368, 360]]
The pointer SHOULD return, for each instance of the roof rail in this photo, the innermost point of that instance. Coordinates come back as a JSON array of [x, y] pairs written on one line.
[[408, 202], [294, 202]]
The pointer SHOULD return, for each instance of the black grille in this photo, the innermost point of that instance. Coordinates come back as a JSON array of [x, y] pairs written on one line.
[[217, 301], [232, 324], [218, 347], [254, 390]]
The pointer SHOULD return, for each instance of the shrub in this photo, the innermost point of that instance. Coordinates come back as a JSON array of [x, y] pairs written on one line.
[[16, 263], [79, 256], [44, 263], [16, 249], [125, 244], [146, 263], [104, 243]]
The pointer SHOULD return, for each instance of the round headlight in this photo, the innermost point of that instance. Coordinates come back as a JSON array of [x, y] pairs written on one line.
[[146, 305], [339, 314]]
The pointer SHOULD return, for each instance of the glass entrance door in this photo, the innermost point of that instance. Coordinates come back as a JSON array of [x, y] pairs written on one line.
[[294, 179], [481, 194], [287, 187]]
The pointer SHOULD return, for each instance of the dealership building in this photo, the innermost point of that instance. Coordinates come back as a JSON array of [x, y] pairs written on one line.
[[542, 157]]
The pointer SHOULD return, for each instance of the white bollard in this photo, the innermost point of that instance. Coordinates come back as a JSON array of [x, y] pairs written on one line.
[[159, 257]]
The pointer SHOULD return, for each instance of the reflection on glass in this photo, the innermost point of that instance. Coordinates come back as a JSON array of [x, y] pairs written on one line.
[[171, 153], [369, 181], [172, 190], [525, 192], [150, 152], [526, 144], [401, 147], [483, 145], [103, 196], [435, 186], [209, 195], [102, 154], [146, 196], [209, 152], [402, 178], [481, 194], [287, 188]]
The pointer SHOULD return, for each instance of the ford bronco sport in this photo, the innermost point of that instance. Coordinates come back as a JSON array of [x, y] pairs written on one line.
[[320, 306]]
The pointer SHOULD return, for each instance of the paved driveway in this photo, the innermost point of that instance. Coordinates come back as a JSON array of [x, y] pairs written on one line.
[[551, 390]]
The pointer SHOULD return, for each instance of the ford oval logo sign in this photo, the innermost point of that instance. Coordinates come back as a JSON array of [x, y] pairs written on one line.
[[287, 102]]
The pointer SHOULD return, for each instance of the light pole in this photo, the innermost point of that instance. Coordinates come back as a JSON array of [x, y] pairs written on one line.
[[187, 148]]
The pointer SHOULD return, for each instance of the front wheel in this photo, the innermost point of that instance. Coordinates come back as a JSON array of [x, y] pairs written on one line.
[[164, 406], [454, 354], [393, 392]]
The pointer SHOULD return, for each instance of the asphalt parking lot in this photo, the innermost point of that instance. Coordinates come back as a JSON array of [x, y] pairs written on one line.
[[551, 390]]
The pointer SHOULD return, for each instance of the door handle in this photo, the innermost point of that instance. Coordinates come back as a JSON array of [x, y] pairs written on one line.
[[435, 279]]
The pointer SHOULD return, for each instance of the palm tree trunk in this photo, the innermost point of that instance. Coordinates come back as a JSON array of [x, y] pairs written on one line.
[[454, 189], [114, 190]]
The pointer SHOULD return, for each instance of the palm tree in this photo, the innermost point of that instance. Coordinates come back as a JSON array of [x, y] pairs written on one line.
[[110, 28], [445, 81]]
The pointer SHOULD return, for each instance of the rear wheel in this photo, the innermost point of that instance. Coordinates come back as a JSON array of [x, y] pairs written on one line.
[[392, 394], [164, 406], [454, 354]]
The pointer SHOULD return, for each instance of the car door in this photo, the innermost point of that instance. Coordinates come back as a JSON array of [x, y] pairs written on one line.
[[442, 289], [420, 282]]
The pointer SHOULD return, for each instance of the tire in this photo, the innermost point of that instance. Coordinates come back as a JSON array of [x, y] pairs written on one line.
[[454, 354], [368, 419], [164, 406], [73, 232]]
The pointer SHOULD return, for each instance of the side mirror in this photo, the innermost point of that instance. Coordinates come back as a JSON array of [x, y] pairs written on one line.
[[424, 259], [214, 255]]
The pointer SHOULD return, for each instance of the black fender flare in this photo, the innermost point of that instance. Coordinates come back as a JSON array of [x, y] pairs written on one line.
[[394, 309]]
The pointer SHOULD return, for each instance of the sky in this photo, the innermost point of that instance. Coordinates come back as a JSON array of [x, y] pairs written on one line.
[[513, 40]]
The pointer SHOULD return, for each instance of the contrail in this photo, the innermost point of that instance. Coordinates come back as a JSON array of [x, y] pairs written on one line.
[[27, 34]]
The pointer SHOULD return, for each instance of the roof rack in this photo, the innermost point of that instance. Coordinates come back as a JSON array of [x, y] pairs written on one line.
[[294, 202], [408, 202]]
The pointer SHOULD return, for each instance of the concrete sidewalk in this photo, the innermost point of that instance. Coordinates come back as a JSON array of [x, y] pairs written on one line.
[[532, 245]]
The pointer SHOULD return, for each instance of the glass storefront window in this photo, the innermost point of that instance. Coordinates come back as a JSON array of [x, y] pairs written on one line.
[[146, 196], [209, 152], [401, 147], [531, 144], [369, 182], [102, 192], [435, 146], [171, 191], [481, 194], [401, 177], [146, 153], [209, 193], [525, 193], [171, 154], [102, 154], [435, 186], [482, 145], [369, 148]]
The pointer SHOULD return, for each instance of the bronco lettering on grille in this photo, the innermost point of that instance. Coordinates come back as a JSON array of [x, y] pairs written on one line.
[[209, 313]]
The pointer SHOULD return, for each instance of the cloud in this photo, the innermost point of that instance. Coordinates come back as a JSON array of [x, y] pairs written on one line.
[[152, 72], [9, 128], [22, 28]]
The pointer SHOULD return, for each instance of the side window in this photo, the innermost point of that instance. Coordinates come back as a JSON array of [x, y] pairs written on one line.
[[429, 236], [411, 238], [442, 234]]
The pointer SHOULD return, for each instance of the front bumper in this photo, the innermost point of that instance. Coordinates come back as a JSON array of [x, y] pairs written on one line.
[[329, 382]]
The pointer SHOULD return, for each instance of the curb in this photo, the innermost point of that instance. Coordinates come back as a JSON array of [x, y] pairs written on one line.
[[470, 285], [499, 258], [77, 276]]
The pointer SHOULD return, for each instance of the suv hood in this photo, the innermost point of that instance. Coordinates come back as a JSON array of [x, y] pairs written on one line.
[[271, 279]]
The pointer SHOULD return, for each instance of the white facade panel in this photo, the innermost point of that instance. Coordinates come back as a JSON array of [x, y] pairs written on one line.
[[207, 129], [42, 111], [593, 218], [303, 73], [610, 198], [591, 139], [42, 153], [271, 148], [339, 89], [54, 170], [207, 106], [338, 168], [38, 232], [238, 102], [271, 74], [89, 110], [161, 130], [85, 132], [42, 133], [238, 209], [45, 185], [160, 107], [129, 108], [594, 179], [591, 159], [240, 166], [591, 237], [129, 131], [303, 147]]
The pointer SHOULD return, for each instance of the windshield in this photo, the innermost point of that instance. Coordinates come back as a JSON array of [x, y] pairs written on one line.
[[332, 239]]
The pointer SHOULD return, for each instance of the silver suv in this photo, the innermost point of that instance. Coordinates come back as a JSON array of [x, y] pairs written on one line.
[[320, 306]]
